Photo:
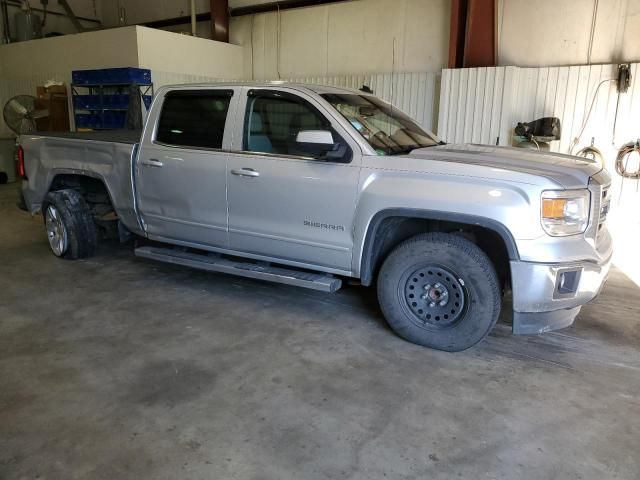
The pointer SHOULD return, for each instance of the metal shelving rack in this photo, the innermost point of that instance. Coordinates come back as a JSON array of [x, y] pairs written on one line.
[[100, 99]]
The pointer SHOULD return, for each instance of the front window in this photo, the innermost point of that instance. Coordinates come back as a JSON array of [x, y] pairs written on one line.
[[386, 129], [280, 123]]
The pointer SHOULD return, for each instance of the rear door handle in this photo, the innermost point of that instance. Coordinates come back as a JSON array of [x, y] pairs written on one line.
[[246, 172], [152, 162]]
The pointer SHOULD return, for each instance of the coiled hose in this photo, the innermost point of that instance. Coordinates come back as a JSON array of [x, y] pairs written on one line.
[[624, 152]]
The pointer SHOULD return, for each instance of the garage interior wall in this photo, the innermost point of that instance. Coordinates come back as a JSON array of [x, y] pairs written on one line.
[[568, 32], [172, 58], [89, 13], [346, 43], [357, 37], [25, 65]]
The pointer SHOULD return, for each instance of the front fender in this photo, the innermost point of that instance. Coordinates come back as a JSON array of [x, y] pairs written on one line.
[[509, 209]]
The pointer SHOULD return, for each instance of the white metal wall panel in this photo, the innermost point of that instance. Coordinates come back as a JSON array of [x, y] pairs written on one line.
[[471, 102], [483, 105]]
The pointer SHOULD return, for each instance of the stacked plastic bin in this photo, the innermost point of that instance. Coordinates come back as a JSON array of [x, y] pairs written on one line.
[[101, 98]]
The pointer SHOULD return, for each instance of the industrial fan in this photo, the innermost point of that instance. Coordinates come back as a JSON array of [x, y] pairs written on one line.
[[20, 114]]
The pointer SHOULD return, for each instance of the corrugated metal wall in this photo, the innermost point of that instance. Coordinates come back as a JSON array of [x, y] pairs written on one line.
[[483, 105]]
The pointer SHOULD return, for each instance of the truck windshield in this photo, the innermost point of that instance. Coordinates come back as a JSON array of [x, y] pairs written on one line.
[[387, 130]]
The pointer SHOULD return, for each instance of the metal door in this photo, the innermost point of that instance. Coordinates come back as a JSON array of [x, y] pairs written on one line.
[[290, 207], [181, 169]]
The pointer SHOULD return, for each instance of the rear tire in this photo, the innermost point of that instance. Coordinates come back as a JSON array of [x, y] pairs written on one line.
[[440, 291], [69, 225]]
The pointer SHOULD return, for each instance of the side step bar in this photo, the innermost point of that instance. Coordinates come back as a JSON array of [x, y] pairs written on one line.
[[216, 263]]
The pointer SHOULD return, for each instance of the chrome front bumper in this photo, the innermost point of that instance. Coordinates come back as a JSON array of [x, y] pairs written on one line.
[[548, 297]]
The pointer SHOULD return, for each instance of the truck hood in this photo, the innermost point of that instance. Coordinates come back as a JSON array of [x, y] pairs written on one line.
[[566, 170]]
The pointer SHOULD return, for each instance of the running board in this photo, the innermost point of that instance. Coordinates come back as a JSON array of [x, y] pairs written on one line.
[[216, 263]]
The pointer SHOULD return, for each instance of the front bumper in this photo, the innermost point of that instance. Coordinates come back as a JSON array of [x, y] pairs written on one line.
[[548, 297]]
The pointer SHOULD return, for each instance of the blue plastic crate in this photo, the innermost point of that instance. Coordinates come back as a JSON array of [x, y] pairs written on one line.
[[87, 120], [112, 76], [114, 119], [87, 101], [81, 121], [105, 120], [119, 101]]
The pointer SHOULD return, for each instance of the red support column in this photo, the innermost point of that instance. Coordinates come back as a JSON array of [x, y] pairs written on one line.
[[480, 41], [457, 32], [220, 20], [472, 35]]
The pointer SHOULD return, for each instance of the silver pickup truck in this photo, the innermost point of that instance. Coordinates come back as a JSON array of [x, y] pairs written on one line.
[[307, 185]]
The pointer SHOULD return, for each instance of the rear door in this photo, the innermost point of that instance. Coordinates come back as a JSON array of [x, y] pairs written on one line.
[[181, 169], [286, 202]]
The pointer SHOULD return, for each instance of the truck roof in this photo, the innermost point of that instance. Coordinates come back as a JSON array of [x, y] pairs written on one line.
[[315, 88]]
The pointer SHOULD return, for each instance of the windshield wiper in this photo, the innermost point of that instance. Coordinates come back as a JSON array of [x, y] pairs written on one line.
[[407, 149]]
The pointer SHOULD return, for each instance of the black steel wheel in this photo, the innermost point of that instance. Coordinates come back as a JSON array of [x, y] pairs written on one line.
[[439, 290], [434, 295]]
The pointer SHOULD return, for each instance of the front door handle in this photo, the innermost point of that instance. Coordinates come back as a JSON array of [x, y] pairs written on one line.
[[152, 162], [246, 172]]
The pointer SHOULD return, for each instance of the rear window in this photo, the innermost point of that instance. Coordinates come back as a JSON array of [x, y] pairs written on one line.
[[194, 118]]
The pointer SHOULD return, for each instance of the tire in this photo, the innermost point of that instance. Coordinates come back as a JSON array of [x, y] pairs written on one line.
[[69, 225], [459, 295]]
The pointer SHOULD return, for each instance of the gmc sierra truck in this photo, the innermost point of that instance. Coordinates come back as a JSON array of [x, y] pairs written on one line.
[[308, 185]]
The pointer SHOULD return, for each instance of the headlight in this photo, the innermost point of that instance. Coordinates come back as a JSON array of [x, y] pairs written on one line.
[[565, 212]]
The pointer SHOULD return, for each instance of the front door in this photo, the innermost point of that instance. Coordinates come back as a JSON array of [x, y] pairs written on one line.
[[181, 170], [287, 200]]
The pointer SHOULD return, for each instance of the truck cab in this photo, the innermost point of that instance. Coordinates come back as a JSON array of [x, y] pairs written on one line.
[[254, 186]]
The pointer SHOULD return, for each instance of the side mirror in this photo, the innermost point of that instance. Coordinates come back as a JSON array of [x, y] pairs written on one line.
[[321, 145], [316, 137]]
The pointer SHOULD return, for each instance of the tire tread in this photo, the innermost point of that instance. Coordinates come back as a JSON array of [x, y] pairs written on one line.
[[461, 246], [81, 229]]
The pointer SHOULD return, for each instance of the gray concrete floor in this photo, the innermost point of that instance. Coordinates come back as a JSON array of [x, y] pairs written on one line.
[[120, 368]]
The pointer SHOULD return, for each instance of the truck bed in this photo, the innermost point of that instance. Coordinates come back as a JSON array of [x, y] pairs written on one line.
[[117, 136], [107, 156]]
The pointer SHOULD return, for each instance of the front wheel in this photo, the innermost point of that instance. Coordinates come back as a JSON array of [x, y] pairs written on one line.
[[69, 225], [439, 290]]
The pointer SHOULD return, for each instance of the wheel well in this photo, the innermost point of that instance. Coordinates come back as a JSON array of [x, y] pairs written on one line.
[[93, 191], [384, 235]]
